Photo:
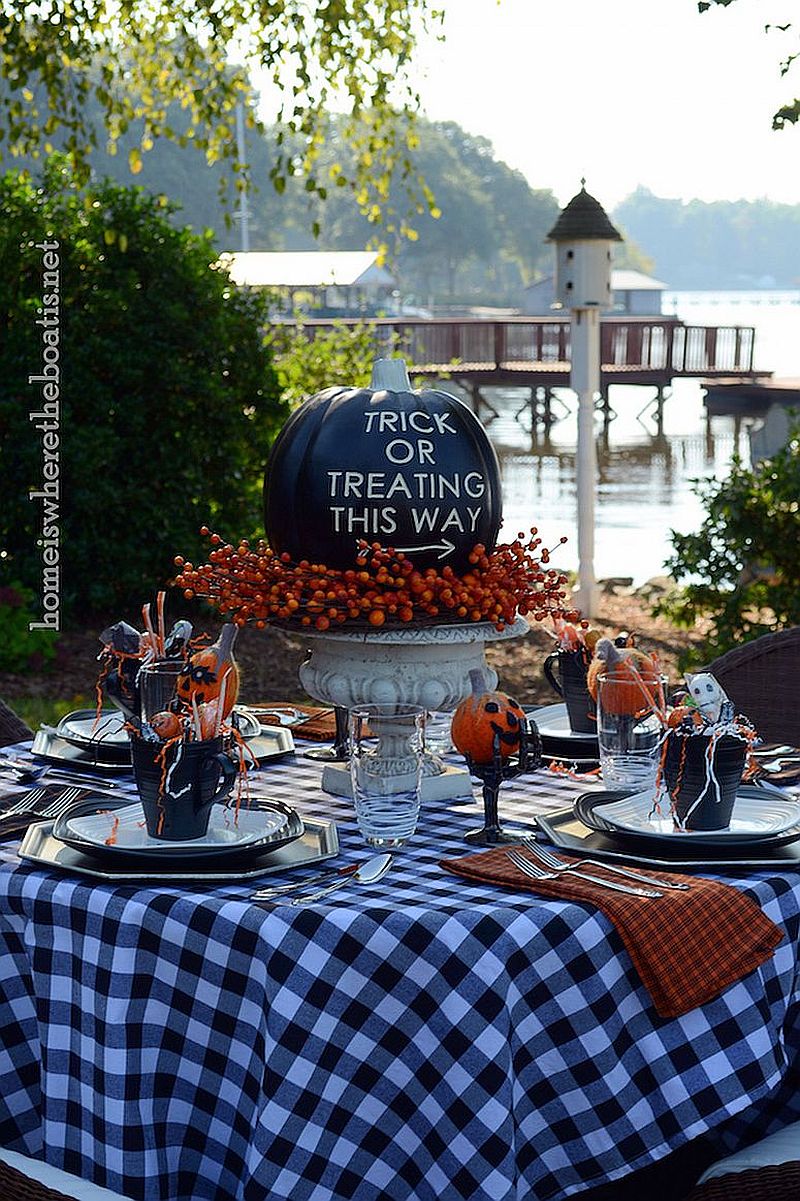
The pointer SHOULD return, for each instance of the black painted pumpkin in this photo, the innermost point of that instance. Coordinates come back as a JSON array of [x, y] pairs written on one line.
[[411, 470]]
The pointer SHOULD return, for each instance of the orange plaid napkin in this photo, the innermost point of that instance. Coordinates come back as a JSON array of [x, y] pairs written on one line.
[[686, 946]]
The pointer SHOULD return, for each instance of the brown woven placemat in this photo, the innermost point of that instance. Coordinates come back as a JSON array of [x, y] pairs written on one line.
[[775, 1182], [320, 726], [16, 1186]]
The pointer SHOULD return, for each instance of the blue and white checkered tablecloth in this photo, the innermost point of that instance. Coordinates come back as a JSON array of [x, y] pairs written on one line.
[[424, 1038]]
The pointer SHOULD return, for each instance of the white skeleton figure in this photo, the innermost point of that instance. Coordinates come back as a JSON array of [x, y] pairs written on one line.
[[710, 699]]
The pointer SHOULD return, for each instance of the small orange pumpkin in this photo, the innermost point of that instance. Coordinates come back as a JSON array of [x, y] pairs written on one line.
[[483, 718], [636, 672], [201, 678], [166, 724]]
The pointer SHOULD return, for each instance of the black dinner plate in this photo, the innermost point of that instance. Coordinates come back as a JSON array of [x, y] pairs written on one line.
[[588, 808], [559, 741], [103, 739], [102, 736], [281, 825]]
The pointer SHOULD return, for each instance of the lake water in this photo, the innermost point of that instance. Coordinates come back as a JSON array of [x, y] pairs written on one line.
[[644, 487]]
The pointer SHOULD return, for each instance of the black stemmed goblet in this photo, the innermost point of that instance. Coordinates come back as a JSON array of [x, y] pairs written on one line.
[[340, 751], [492, 775]]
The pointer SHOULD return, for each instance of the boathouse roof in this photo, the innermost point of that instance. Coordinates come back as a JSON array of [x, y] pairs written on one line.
[[306, 269]]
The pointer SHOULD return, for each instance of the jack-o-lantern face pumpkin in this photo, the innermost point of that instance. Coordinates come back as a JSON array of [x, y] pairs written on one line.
[[202, 677], [485, 722]]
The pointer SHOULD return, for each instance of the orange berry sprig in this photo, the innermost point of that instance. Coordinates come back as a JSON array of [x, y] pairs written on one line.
[[254, 585]]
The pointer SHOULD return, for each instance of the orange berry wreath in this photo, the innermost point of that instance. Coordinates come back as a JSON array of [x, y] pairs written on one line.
[[254, 585]]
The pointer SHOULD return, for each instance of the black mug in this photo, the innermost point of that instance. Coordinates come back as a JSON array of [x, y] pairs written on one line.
[[571, 685], [178, 783], [688, 776]]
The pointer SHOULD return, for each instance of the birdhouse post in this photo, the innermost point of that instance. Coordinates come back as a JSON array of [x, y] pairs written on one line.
[[582, 236]]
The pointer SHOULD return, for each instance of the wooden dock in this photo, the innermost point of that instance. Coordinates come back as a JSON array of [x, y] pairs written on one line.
[[535, 351], [749, 398]]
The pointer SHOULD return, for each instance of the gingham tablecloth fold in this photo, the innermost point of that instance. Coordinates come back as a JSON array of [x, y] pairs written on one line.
[[686, 946]]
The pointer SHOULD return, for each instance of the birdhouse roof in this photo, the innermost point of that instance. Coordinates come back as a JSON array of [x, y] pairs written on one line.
[[583, 218]]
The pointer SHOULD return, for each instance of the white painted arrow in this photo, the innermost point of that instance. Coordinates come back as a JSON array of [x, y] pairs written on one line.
[[445, 546]]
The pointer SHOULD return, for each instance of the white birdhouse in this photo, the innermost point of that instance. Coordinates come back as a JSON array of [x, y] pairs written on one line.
[[583, 235]]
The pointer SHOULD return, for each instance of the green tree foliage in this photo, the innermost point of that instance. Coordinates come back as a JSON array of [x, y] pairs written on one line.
[[482, 241], [146, 62], [787, 114], [742, 568], [717, 244], [308, 361], [169, 400]]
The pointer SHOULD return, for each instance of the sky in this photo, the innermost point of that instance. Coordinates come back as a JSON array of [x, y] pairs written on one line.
[[623, 92]]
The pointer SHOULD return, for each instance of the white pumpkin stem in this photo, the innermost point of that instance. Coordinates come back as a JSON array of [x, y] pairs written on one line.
[[227, 637], [477, 682], [390, 375]]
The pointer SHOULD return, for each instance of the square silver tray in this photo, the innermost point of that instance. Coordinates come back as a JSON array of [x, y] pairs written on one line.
[[567, 832], [320, 841]]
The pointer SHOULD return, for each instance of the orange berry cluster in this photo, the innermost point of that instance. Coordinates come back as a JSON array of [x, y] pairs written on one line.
[[255, 585]]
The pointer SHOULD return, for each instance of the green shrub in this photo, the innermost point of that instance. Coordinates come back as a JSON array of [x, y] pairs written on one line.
[[169, 399], [742, 567], [22, 649]]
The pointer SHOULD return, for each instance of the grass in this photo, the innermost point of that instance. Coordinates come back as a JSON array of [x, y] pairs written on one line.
[[38, 710]]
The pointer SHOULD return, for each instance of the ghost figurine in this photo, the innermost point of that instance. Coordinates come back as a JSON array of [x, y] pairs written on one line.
[[710, 698]]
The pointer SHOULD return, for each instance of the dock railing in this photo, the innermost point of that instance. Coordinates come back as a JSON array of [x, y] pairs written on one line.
[[663, 346]]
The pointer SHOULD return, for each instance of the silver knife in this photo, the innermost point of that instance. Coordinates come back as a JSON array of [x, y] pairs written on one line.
[[277, 890]]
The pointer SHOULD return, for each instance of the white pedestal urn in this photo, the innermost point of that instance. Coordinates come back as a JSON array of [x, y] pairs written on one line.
[[408, 665]]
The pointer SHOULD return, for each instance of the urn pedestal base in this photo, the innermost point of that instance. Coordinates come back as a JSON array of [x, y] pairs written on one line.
[[427, 666], [443, 784]]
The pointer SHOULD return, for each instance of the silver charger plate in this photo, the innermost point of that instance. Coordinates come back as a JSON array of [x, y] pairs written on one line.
[[567, 832], [116, 829], [757, 813], [48, 746], [318, 842]]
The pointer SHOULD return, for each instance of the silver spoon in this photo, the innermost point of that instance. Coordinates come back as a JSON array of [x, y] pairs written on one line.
[[369, 873]]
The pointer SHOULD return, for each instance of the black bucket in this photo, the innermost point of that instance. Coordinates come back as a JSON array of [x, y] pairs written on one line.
[[690, 782], [177, 801]]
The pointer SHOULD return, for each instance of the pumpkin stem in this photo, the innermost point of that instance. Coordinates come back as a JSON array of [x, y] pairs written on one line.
[[226, 639], [390, 375], [606, 651], [476, 681]]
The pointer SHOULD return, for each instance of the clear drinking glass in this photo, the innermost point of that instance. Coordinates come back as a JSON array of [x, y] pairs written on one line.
[[158, 684], [438, 737], [629, 731], [386, 755]]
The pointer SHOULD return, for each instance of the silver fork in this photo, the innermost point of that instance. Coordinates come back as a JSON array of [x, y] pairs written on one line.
[[28, 803], [558, 865], [540, 873], [25, 804], [59, 806]]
